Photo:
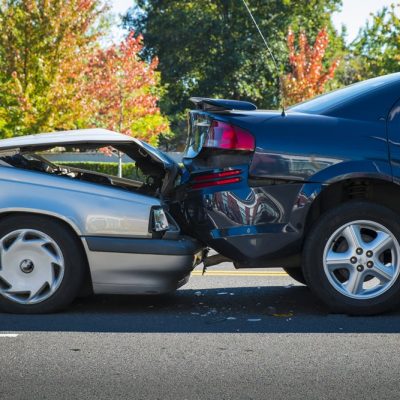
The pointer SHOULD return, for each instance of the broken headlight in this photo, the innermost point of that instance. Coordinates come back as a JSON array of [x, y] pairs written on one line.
[[159, 220]]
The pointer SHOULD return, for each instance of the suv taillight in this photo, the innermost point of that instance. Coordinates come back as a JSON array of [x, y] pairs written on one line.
[[216, 179], [229, 137]]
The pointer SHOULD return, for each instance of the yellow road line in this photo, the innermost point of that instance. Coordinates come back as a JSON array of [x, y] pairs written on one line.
[[240, 273]]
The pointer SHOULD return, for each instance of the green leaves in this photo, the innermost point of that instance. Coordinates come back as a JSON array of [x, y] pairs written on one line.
[[39, 43], [376, 51], [211, 48], [55, 76]]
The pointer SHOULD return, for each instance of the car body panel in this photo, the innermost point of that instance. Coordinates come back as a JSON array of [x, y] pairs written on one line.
[[140, 265], [319, 148], [90, 208], [113, 223], [299, 154], [242, 223], [393, 129]]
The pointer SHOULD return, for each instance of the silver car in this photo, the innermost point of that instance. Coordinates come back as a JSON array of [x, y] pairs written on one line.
[[64, 230]]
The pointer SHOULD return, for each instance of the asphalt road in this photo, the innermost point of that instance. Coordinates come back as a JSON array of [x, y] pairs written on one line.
[[223, 336]]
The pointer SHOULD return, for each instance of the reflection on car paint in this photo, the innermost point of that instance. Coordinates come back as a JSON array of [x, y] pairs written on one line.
[[297, 167], [103, 224], [256, 207]]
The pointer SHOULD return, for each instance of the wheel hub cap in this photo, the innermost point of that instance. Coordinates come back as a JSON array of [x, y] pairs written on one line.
[[31, 266], [361, 259]]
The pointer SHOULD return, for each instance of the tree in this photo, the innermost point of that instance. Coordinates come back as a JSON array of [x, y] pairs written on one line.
[[122, 91], [43, 45], [216, 49], [309, 76], [377, 47], [54, 74]]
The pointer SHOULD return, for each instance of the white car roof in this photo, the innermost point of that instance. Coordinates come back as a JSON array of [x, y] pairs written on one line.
[[67, 137]]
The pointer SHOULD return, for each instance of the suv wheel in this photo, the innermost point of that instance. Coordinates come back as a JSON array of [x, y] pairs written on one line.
[[351, 258]]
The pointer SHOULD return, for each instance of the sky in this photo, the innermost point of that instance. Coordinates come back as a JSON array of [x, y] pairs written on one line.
[[354, 13]]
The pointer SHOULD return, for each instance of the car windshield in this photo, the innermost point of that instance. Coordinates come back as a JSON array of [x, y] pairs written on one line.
[[333, 99]]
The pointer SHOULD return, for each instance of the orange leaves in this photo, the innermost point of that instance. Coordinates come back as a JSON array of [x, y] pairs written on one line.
[[44, 45], [54, 74], [124, 90], [309, 76]]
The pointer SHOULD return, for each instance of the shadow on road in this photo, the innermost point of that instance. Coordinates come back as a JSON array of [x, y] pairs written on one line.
[[272, 309]]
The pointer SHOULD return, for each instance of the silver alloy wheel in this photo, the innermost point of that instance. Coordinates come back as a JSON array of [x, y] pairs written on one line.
[[31, 266], [361, 259]]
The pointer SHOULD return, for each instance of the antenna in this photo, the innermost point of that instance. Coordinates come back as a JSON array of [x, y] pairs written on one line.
[[270, 53]]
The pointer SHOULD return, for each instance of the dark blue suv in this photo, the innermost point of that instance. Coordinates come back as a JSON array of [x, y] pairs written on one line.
[[314, 189]]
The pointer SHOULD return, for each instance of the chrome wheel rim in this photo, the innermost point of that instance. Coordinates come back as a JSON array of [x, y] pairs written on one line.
[[31, 266], [361, 259]]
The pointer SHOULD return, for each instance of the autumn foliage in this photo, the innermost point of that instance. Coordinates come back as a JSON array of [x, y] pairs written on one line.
[[55, 75], [39, 42], [308, 76], [121, 91]]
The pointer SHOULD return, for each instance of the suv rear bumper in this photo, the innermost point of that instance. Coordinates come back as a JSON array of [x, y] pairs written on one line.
[[254, 226], [270, 245]]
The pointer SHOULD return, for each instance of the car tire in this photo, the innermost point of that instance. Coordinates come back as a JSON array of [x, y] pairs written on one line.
[[351, 258], [296, 274], [42, 265]]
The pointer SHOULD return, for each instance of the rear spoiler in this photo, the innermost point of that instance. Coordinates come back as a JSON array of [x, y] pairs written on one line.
[[205, 104]]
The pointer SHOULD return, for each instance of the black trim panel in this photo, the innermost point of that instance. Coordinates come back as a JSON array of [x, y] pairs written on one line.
[[204, 103], [182, 247]]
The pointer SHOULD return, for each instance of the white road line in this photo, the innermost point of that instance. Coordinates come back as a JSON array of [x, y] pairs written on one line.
[[8, 335]]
